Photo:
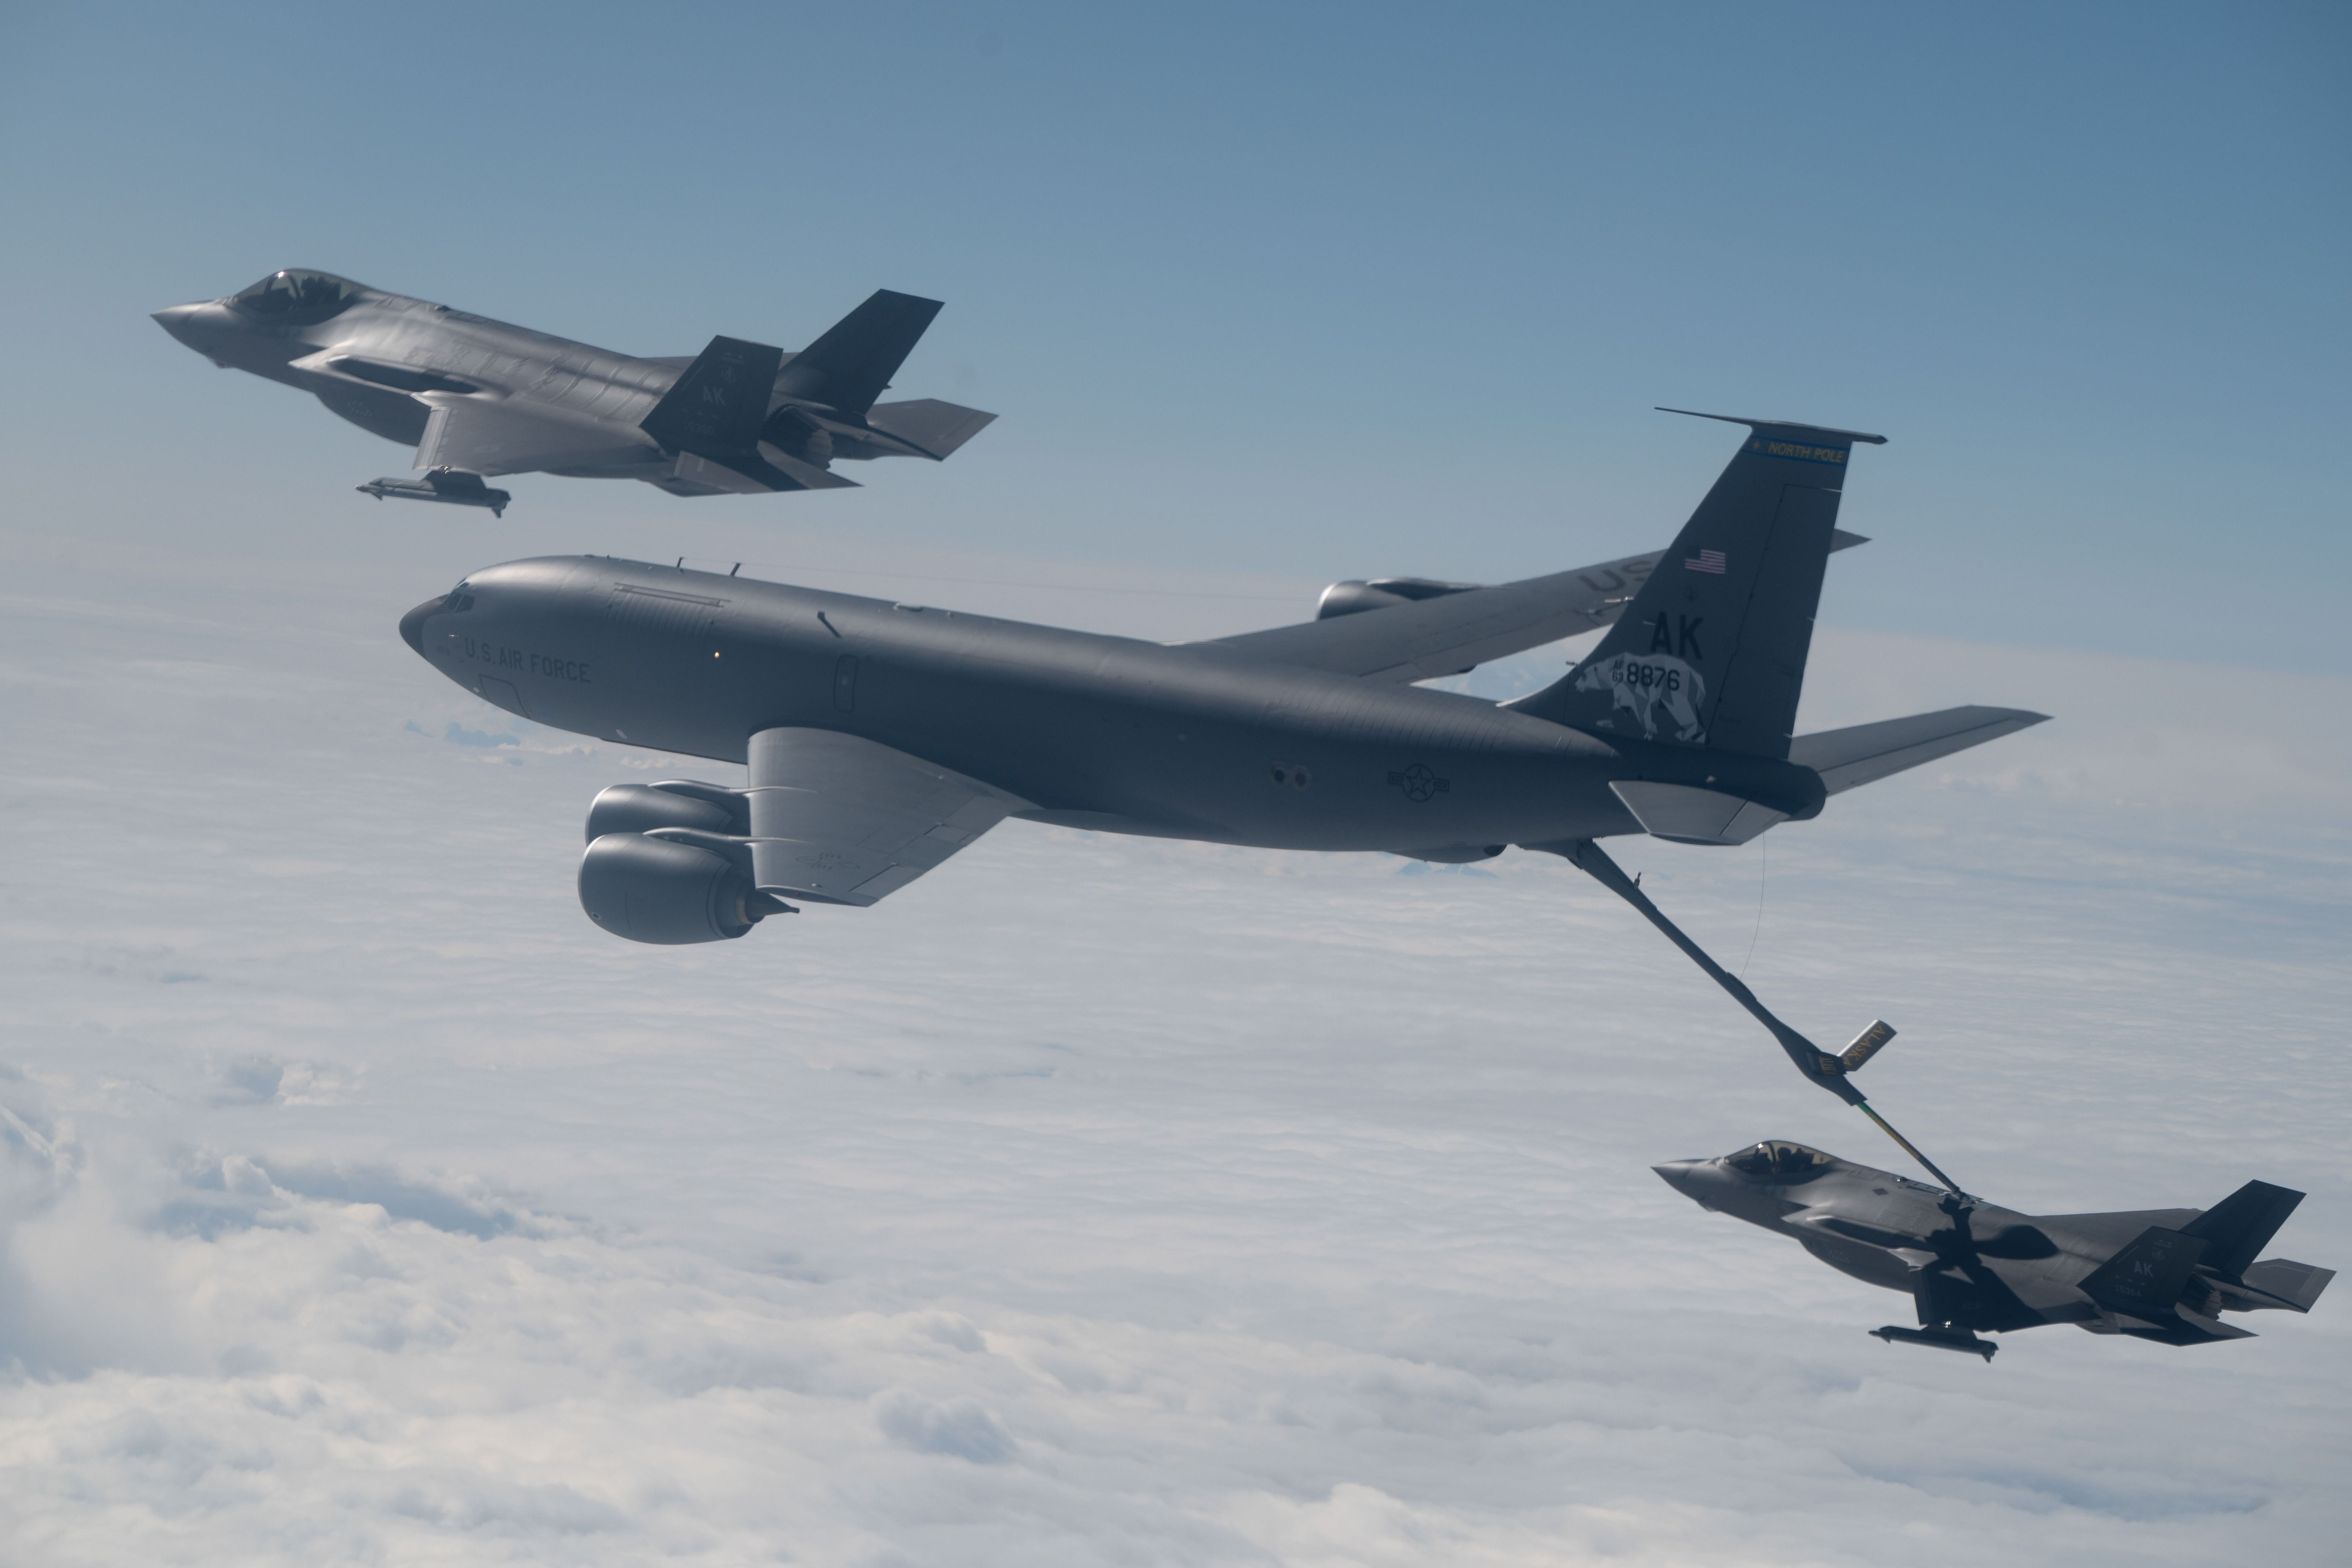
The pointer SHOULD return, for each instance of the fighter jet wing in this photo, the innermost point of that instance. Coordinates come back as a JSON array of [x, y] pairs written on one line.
[[488, 436], [837, 819], [1458, 631]]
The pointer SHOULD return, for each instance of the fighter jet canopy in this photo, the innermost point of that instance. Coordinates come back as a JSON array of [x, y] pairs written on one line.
[[1778, 1161], [297, 297]]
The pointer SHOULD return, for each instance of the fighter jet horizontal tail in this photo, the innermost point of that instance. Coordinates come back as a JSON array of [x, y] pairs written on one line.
[[934, 428], [756, 472], [2284, 1284]]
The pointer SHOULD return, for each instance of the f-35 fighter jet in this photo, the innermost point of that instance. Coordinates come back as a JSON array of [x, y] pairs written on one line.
[[2156, 1274], [880, 739], [479, 397]]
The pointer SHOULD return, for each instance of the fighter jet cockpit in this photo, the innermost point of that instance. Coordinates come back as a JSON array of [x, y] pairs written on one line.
[[298, 297], [1777, 1160]]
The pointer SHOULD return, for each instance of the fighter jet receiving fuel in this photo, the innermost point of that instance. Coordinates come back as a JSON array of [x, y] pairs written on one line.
[[1968, 1266], [882, 737], [479, 397]]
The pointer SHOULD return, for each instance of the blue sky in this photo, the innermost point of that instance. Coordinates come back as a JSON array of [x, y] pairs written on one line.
[[1300, 291], [1133, 1201]]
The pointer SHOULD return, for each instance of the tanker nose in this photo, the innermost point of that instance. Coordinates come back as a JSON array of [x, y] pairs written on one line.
[[412, 624]]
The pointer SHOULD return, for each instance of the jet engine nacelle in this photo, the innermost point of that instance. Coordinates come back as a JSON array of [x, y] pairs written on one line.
[[1354, 597], [662, 868], [673, 802], [667, 892]]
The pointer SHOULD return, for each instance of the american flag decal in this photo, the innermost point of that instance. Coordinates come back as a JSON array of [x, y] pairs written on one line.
[[1705, 560]]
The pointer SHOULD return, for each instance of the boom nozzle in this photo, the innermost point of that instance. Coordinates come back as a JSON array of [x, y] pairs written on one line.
[[1865, 1045]]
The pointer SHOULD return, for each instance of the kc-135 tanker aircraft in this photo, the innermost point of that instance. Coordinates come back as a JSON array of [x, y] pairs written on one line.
[[881, 738], [479, 397]]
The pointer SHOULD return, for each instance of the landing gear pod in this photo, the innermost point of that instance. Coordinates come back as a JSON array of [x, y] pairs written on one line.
[[655, 890]]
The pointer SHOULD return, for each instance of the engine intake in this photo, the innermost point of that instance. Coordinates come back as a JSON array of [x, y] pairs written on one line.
[[1356, 596], [669, 893], [672, 802]]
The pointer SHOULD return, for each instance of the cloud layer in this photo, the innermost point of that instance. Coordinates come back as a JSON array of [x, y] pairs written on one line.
[[1109, 1201]]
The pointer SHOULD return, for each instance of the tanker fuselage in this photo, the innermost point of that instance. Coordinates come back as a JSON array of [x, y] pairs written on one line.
[[1191, 740]]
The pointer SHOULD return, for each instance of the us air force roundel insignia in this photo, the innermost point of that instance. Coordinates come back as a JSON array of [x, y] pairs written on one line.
[[1420, 782]]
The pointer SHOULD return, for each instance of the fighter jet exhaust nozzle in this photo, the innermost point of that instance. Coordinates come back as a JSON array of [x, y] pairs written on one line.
[[668, 893]]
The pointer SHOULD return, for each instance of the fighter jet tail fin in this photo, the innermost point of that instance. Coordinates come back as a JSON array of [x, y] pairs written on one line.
[[1711, 652], [711, 420], [718, 404], [2236, 1229], [852, 363], [2146, 1279], [2283, 1282]]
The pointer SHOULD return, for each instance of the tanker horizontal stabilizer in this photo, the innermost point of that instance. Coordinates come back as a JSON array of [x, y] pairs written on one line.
[[1868, 753]]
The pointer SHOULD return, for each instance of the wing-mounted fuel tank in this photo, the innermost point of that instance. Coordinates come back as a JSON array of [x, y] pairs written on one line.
[[450, 486], [670, 864]]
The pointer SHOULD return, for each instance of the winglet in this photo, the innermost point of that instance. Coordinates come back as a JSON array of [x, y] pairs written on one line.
[[1778, 425]]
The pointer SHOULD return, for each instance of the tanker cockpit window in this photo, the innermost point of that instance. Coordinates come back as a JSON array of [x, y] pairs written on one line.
[[1776, 1161], [460, 599], [299, 298]]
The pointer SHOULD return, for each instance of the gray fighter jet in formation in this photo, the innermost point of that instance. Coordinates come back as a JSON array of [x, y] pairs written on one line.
[[1968, 1266], [479, 397], [881, 738]]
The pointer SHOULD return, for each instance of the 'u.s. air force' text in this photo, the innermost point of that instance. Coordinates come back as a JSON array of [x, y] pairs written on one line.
[[546, 664]]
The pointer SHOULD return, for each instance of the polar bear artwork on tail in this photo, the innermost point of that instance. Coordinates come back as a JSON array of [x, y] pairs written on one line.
[[1641, 683]]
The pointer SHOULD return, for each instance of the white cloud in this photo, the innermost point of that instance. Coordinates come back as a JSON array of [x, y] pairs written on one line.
[[1102, 1200]]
